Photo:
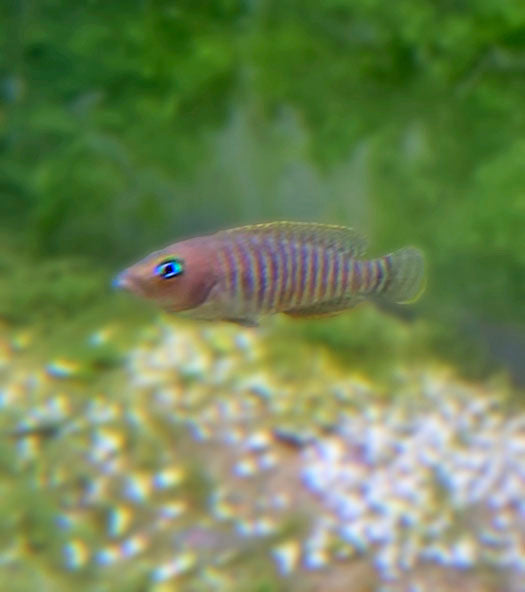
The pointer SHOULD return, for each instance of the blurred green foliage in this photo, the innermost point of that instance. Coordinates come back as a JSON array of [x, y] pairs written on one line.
[[126, 124]]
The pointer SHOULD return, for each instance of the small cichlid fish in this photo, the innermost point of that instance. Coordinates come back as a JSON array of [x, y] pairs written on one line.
[[301, 269]]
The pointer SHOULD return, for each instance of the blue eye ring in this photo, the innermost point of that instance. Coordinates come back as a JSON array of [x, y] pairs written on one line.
[[169, 268]]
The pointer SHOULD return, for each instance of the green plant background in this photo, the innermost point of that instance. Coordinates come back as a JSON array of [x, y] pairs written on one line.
[[126, 124]]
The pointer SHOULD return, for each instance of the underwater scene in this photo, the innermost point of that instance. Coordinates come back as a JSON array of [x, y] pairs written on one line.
[[262, 286]]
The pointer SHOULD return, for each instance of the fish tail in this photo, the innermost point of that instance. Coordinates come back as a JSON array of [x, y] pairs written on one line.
[[405, 278]]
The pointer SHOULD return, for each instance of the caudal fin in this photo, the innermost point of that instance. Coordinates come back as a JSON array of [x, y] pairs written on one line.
[[407, 275]]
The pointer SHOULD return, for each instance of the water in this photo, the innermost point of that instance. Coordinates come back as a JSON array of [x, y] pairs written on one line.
[[384, 447]]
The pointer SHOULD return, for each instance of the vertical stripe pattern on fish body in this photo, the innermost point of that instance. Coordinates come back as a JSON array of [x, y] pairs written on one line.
[[309, 273], [319, 280], [272, 273], [275, 271], [372, 275]]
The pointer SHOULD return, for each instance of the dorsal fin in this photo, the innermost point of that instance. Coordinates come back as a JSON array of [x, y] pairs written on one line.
[[332, 236]]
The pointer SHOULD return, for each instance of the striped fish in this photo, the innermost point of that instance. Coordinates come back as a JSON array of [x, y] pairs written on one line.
[[301, 269]]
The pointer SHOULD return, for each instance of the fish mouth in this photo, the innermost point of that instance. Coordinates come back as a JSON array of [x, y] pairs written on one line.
[[125, 281], [120, 281]]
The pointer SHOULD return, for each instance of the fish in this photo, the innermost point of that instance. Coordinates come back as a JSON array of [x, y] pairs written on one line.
[[301, 269]]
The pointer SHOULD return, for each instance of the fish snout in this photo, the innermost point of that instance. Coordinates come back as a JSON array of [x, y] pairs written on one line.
[[122, 281], [131, 280]]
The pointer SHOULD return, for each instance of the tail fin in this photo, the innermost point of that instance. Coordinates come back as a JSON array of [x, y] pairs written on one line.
[[407, 275]]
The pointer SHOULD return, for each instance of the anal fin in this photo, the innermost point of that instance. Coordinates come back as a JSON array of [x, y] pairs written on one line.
[[322, 309], [307, 314], [244, 322]]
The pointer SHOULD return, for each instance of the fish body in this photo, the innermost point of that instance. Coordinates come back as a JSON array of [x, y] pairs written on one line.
[[301, 269]]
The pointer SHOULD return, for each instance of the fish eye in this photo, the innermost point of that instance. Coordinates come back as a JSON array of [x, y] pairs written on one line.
[[169, 268]]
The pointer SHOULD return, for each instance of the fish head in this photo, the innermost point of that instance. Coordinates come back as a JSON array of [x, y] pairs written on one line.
[[176, 278]]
